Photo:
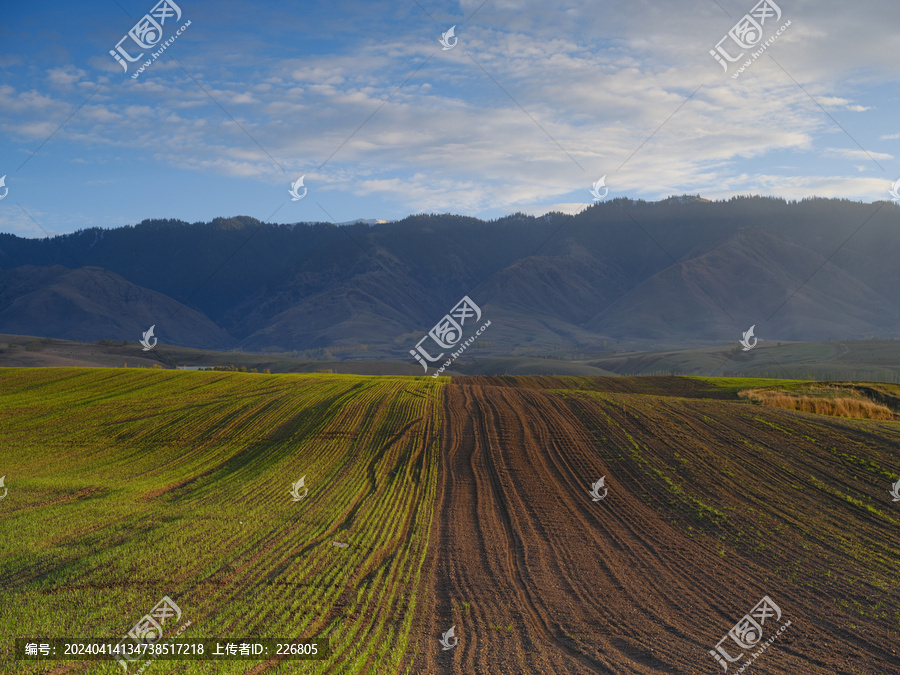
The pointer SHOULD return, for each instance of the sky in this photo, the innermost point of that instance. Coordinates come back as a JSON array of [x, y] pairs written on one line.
[[531, 105]]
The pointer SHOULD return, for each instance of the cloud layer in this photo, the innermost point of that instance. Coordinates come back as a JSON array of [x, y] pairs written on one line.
[[534, 103]]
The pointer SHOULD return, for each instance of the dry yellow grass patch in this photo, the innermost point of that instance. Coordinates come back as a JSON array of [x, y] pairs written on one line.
[[839, 406]]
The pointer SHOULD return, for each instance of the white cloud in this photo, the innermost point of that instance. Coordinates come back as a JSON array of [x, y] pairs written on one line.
[[798, 187], [65, 77], [855, 154], [571, 208], [598, 86]]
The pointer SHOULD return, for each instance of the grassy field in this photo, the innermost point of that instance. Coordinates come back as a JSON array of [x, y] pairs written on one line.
[[859, 360], [23, 351], [869, 360], [127, 485]]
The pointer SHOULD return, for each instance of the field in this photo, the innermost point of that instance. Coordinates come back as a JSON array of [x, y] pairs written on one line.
[[127, 485], [464, 503], [868, 360], [42, 352], [871, 360]]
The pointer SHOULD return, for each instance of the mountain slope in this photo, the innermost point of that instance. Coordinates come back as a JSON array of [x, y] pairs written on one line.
[[91, 304], [743, 281], [620, 275]]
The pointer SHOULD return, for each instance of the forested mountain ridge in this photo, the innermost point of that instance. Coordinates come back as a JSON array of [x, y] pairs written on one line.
[[623, 272]]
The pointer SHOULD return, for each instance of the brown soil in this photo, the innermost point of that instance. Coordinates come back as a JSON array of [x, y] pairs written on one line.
[[712, 505]]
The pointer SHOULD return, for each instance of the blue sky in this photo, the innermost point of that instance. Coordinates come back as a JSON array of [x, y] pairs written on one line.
[[535, 102]]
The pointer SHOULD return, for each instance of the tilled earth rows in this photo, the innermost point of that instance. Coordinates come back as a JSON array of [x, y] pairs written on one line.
[[712, 505]]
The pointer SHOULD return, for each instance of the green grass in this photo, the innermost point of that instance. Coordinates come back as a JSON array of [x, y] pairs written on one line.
[[736, 384], [128, 485]]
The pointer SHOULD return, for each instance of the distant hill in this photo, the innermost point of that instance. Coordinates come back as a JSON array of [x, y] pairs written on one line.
[[620, 275], [92, 303], [743, 280]]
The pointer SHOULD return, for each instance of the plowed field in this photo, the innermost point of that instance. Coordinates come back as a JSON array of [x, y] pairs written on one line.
[[712, 505], [439, 503]]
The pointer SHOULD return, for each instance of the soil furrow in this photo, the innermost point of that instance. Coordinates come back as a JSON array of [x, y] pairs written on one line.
[[709, 509]]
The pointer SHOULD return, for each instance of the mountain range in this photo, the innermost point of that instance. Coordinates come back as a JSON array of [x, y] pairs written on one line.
[[620, 275]]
